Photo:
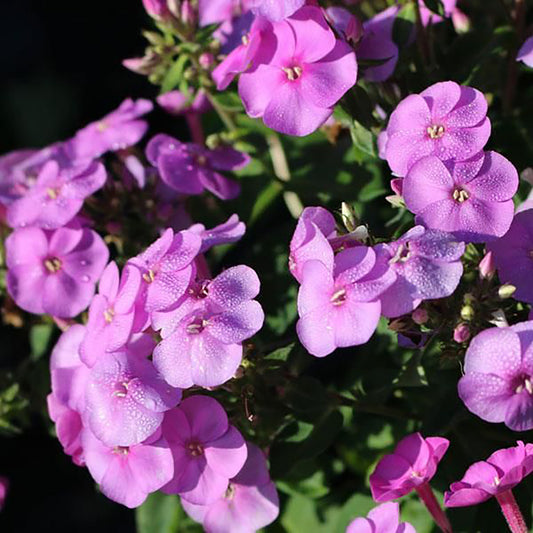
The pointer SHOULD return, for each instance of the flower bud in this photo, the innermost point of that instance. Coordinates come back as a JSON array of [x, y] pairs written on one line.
[[157, 9], [354, 30], [467, 312], [349, 218], [506, 291], [460, 21], [486, 266], [420, 316], [461, 333], [187, 13], [206, 60]]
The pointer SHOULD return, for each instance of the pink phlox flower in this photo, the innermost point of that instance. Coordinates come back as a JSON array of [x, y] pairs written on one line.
[[111, 313], [190, 169], [427, 264], [178, 103], [413, 463], [446, 120], [118, 130], [57, 195], [54, 272], [384, 518], [126, 399], [525, 54], [502, 471], [275, 10], [497, 384], [128, 474], [226, 233], [249, 503], [471, 199], [340, 307], [203, 333], [207, 450], [295, 91]]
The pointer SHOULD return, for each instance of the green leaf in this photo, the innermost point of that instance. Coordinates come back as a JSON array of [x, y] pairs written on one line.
[[412, 373], [174, 74], [160, 513], [281, 354], [40, 335], [363, 139], [435, 6], [307, 397]]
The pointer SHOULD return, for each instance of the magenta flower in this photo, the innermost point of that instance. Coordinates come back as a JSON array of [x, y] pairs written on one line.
[[512, 256], [203, 334], [309, 72], [412, 465], [497, 384], [54, 272], [310, 240], [126, 399], [384, 518], [341, 308], [207, 450], [111, 313], [167, 268], [377, 44], [118, 130], [157, 9], [127, 474], [190, 168], [275, 10], [66, 402], [178, 103], [4, 487], [57, 196], [228, 232], [502, 471], [525, 54], [427, 265], [446, 120], [470, 199], [249, 503]]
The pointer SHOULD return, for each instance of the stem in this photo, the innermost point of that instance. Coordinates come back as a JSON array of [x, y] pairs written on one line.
[[282, 172], [428, 497], [195, 127], [222, 113], [519, 19], [511, 511], [421, 37]]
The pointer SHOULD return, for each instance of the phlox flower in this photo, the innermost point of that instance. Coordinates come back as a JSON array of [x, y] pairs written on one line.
[[190, 168], [249, 503], [471, 199], [207, 450], [228, 232], [111, 313], [203, 333], [178, 103], [446, 120], [309, 72], [525, 54], [512, 255], [166, 268], [497, 384], [427, 265], [126, 398], [128, 474], [412, 465], [120, 129], [275, 10], [57, 195], [502, 471], [54, 272], [384, 518], [66, 402], [340, 307]]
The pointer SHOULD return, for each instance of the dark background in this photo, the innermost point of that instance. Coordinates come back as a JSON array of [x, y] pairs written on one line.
[[60, 68]]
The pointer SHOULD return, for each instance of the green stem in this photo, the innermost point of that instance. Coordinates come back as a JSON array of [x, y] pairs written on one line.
[[221, 112]]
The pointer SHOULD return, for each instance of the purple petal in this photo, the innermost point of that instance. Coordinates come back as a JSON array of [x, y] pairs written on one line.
[[238, 324], [227, 454], [206, 417]]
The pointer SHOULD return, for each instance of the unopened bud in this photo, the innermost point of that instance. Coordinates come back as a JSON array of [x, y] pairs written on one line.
[[349, 218], [461, 333], [486, 266], [157, 9], [506, 291], [354, 30], [467, 312], [174, 6], [154, 38], [395, 200], [187, 13], [206, 60], [420, 316], [142, 65], [398, 324], [460, 21]]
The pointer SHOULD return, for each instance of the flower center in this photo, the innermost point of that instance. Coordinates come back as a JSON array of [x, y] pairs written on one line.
[[101, 126], [338, 297], [293, 73], [436, 131], [195, 449], [230, 492], [109, 314], [53, 264], [121, 450], [496, 481], [149, 276], [403, 253], [245, 40], [527, 385], [122, 392], [196, 326], [460, 195], [52, 193]]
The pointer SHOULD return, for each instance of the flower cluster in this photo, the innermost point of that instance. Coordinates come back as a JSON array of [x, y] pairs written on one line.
[[346, 286]]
